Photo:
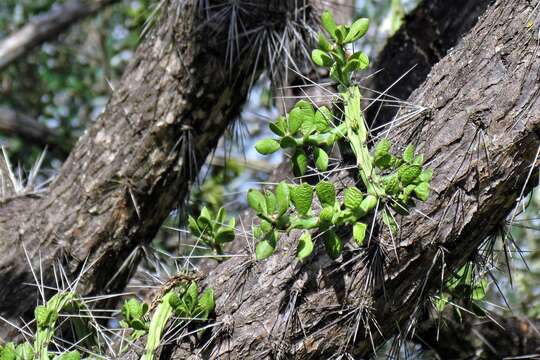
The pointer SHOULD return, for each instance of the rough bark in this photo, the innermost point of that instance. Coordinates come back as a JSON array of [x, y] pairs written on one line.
[[471, 337], [480, 134], [136, 163], [46, 27], [428, 33], [15, 123]]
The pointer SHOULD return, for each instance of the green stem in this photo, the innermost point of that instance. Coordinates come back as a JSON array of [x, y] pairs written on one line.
[[159, 320], [357, 136]]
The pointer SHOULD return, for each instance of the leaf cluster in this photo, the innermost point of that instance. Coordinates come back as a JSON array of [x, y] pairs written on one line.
[[307, 132], [332, 53], [211, 228]]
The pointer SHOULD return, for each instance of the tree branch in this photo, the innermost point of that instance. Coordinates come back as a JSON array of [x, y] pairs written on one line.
[[46, 27], [137, 162], [13, 122], [428, 33], [480, 135]]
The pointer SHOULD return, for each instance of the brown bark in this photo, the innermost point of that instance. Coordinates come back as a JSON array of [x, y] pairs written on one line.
[[136, 163], [428, 33], [480, 136], [471, 337], [46, 27]]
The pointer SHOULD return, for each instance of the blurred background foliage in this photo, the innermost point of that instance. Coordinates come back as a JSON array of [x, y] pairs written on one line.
[[65, 84]]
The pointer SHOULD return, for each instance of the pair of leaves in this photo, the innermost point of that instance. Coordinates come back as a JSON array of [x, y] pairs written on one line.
[[22, 351], [189, 304], [211, 228], [270, 205], [343, 34], [133, 312]]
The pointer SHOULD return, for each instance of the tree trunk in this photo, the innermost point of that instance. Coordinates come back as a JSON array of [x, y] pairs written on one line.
[[479, 134], [137, 162]]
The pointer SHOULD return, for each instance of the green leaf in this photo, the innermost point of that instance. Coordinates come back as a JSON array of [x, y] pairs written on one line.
[[321, 58], [341, 33], [324, 44], [8, 352], [302, 197], [257, 201], [353, 198], [421, 191], [408, 154], [368, 204], [322, 119], [381, 154], [283, 200], [305, 246], [24, 351], [327, 21], [359, 233], [205, 220], [206, 303], [321, 159], [391, 184], [358, 29], [270, 202], [300, 162], [264, 250], [288, 142], [267, 146], [408, 173], [296, 118], [326, 192], [333, 244], [326, 217], [193, 227], [191, 294], [72, 355], [219, 219], [440, 303], [308, 127], [363, 60], [224, 235], [480, 290], [279, 127]]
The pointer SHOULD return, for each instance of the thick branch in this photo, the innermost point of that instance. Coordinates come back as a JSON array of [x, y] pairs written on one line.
[[429, 32], [136, 163], [46, 27], [480, 135]]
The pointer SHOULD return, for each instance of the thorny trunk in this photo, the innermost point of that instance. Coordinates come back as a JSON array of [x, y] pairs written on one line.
[[480, 133], [136, 163]]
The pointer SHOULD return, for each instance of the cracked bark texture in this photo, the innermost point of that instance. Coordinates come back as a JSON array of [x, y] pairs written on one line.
[[480, 134], [46, 27], [129, 170], [428, 33]]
